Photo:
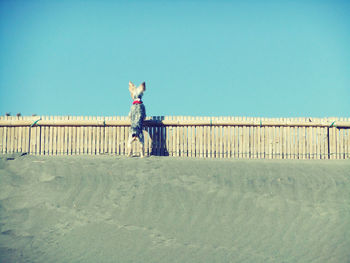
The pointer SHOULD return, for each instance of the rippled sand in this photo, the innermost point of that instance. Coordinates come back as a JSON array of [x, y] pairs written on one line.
[[162, 209]]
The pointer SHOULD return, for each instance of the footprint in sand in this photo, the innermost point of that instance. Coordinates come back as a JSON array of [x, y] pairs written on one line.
[[46, 178]]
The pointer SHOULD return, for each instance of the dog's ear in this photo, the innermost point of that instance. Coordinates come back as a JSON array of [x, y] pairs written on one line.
[[142, 87], [131, 87]]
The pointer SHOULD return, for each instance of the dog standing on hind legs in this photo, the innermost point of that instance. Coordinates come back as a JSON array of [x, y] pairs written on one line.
[[137, 115]]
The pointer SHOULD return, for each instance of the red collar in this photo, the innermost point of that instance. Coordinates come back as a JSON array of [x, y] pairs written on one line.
[[137, 102]]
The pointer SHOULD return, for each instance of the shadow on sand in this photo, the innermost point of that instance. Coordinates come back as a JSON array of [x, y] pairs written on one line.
[[158, 136]]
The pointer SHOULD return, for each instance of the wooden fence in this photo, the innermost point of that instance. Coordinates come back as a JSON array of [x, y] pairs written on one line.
[[215, 137]]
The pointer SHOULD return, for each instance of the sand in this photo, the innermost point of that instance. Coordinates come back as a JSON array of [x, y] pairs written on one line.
[[162, 209]]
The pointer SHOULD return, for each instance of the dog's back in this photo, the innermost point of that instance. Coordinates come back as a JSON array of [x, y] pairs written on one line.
[[137, 116]]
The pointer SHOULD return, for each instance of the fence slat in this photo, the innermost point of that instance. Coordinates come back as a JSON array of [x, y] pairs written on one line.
[[178, 130], [162, 138], [235, 140], [194, 140], [284, 141], [324, 143], [180, 139], [186, 128], [276, 142], [314, 145], [93, 137], [288, 136], [24, 135], [110, 137], [155, 133], [16, 136], [251, 136], [224, 140], [169, 138], [122, 138], [346, 146], [301, 153], [61, 138], [42, 138], [211, 138], [240, 140], [269, 142], [114, 136], [32, 140], [47, 137], [53, 136], [205, 139], [339, 142], [280, 141], [5, 135], [291, 142], [19, 136], [218, 139], [304, 141], [296, 142], [54, 130], [80, 137], [211, 142], [70, 139], [318, 143], [347, 142], [74, 137], [257, 141], [256, 138], [332, 142], [126, 135], [309, 149], [254, 135], [2, 128], [118, 139], [199, 134], [65, 143], [12, 139]]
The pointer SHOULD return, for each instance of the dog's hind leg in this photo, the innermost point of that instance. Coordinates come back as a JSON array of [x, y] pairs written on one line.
[[142, 142], [130, 140]]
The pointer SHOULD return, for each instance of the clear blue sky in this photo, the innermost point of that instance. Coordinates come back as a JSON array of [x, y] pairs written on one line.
[[206, 58]]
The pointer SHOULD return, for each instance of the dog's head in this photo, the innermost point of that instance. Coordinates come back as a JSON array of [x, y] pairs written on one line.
[[137, 93]]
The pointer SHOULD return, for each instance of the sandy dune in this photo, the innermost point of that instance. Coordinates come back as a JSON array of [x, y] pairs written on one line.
[[161, 209]]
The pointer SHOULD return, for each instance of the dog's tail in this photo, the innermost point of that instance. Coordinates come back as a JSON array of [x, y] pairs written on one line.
[[135, 131]]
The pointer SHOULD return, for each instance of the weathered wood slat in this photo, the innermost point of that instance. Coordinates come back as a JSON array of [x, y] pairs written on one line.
[[2, 136]]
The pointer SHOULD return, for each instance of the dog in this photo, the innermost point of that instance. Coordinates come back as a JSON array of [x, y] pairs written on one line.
[[137, 115]]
